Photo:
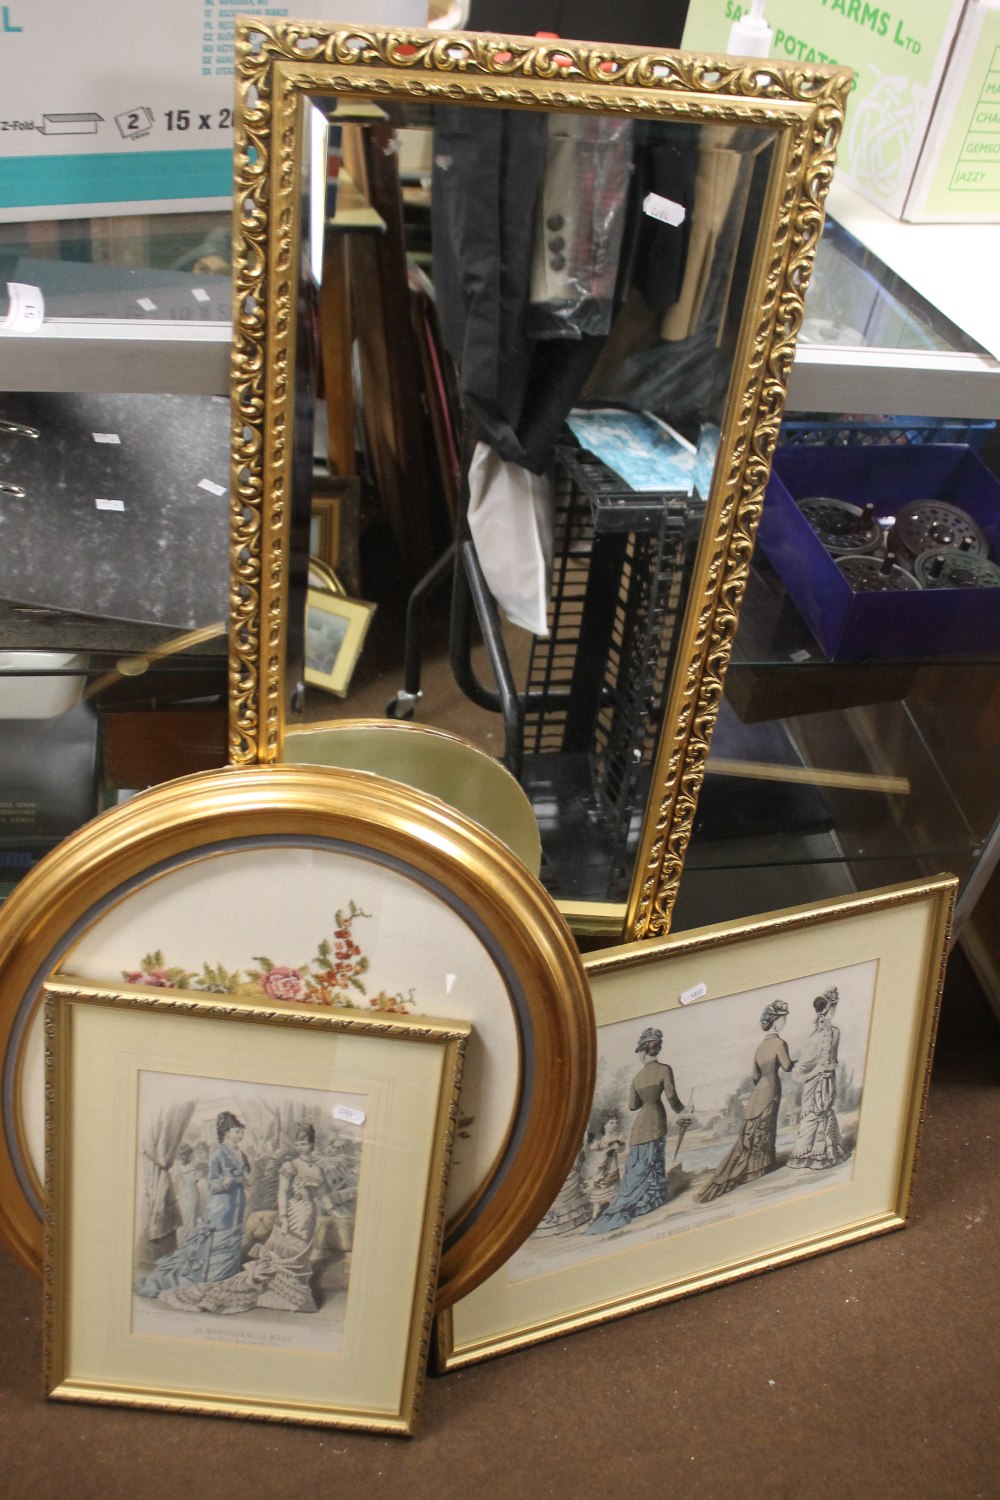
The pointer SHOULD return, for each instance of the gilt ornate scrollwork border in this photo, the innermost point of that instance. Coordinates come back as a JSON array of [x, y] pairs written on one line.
[[282, 61], [749, 447]]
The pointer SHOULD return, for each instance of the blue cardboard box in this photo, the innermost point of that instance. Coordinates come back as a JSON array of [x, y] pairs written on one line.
[[900, 625]]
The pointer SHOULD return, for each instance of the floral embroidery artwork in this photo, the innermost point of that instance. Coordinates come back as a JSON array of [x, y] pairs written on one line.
[[333, 976]]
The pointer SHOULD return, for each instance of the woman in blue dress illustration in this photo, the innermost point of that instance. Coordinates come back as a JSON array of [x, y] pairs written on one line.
[[212, 1251], [644, 1181], [277, 1274]]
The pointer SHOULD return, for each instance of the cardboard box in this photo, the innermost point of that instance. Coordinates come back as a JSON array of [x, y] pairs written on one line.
[[120, 109], [904, 625], [925, 76], [958, 174]]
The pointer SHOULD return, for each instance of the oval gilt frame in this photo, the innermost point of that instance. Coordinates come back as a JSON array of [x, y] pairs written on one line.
[[457, 865]]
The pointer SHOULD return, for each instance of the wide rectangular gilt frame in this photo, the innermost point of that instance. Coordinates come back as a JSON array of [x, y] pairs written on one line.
[[280, 63], [663, 967], [67, 1100]]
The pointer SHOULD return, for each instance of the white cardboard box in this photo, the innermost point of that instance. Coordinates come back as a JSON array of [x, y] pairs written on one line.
[[123, 107], [958, 174]]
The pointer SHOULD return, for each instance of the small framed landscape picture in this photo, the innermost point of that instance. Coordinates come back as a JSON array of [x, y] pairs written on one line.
[[760, 1088], [335, 633], [245, 1203]]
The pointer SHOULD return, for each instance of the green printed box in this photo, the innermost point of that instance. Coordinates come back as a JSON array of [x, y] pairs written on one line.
[[912, 68]]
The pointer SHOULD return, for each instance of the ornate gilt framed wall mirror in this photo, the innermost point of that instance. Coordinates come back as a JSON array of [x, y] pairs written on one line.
[[529, 279]]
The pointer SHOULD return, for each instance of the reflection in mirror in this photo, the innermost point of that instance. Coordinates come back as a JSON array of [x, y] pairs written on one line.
[[516, 336]]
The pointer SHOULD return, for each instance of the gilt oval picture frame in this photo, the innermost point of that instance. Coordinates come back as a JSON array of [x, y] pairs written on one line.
[[335, 887]]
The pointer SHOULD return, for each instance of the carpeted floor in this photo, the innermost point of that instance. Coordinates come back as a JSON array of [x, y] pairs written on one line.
[[871, 1370]]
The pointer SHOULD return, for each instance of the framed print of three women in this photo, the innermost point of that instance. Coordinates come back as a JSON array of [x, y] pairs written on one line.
[[759, 1095]]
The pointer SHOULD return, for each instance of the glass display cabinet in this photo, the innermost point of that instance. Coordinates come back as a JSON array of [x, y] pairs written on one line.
[[828, 777], [824, 776]]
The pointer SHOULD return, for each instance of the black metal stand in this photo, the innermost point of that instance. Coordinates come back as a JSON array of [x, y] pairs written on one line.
[[403, 704], [582, 735]]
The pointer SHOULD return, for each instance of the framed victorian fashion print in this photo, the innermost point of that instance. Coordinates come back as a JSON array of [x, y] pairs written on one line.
[[245, 1203], [760, 1089]]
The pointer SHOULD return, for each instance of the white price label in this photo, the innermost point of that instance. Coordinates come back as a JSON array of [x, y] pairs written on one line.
[[110, 504], [664, 209], [106, 437], [146, 303], [212, 487], [26, 313], [200, 295], [696, 992], [352, 1116]]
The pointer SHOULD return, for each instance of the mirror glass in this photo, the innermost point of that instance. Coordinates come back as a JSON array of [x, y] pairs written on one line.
[[515, 340]]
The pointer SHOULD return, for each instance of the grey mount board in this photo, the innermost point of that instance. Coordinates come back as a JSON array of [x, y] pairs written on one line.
[[48, 783], [163, 559]]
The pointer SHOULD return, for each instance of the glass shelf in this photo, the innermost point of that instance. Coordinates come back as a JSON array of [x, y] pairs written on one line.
[[870, 343], [91, 269], [826, 778], [135, 304], [856, 302], [81, 727]]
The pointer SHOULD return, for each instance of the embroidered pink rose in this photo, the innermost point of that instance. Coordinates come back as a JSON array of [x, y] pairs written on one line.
[[157, 978], [282, 983]]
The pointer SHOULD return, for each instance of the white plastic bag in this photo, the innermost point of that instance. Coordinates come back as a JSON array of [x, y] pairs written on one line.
[[510, 517]]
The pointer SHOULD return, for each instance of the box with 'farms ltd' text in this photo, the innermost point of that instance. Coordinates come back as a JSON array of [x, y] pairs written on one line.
[[921, 138]]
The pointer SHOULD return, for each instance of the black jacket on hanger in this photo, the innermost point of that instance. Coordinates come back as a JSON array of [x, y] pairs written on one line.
[[487, 175], [522, 366]]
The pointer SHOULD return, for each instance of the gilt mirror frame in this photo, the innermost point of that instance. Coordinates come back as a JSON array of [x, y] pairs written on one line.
[[280, 63]]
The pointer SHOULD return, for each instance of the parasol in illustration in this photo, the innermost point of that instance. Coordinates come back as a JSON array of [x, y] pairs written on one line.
[[684, 1124]]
